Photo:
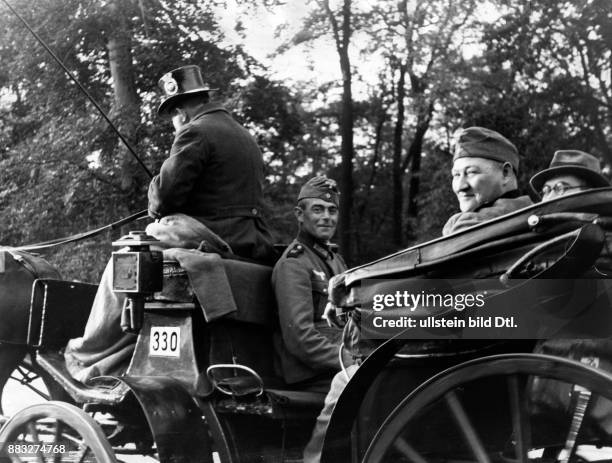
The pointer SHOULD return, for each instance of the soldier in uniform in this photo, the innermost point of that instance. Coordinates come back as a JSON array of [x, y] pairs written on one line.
[[570, 171], [485, 169], [307, 347]]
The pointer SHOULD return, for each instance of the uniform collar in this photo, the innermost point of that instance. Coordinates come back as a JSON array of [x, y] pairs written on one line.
[[507, 195], [321, 248]]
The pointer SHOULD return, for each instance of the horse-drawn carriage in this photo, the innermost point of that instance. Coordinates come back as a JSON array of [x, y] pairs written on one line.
[[202, 387]]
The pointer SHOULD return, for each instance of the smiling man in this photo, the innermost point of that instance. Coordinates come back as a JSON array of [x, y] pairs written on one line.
[[307, 347], [485, 167]]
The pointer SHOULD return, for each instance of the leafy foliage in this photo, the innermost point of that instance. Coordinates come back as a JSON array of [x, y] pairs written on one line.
[[538, 72]]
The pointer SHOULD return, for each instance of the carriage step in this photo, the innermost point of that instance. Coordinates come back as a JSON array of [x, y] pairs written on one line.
[[275, 404], [102, 393]]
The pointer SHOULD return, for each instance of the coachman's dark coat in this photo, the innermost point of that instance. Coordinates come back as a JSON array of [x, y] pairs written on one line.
[[215, 174]]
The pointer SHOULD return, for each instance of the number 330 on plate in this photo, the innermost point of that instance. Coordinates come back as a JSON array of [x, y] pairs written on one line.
[[165, 341]]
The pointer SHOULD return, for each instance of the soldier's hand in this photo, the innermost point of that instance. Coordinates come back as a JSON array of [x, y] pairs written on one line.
[[333, 316]]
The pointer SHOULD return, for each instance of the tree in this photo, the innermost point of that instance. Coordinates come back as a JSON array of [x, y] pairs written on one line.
[[62, 170]]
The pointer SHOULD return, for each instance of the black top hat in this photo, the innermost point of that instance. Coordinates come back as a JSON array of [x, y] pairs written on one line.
[[176, 84], [571, 162]]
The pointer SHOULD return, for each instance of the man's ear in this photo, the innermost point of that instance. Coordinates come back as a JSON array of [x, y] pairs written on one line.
[[184, 116], [507, 172], [299, 214]]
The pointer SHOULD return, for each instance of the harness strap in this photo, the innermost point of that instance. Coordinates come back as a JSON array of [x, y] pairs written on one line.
[[80, 236]]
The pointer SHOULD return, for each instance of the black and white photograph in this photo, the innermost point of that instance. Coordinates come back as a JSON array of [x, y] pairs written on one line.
[[306, 231]]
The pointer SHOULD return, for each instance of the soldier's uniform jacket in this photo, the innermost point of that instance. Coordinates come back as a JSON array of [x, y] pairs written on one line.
[[308, 347], [215, 174], [505, 204]]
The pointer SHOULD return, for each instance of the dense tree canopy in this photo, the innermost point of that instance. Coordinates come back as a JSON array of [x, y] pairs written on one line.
[[409, 74]]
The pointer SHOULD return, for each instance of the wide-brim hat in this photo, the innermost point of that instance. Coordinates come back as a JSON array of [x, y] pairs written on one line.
[[179, 84], [571, 162]]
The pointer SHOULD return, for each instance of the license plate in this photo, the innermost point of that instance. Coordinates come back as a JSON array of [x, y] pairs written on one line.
[[165, 341]]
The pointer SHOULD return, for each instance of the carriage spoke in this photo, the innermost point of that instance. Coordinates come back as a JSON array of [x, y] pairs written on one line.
[[583, 396], [520, 419], [402, 446], [33, 431], [57, 439], [466, 427], [82, 454]]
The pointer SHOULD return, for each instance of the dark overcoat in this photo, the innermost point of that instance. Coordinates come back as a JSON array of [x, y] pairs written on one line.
[[215, 174]]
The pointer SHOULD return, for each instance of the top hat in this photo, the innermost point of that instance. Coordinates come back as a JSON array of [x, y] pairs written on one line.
[[571, 162], [176, 84], [479, 142]]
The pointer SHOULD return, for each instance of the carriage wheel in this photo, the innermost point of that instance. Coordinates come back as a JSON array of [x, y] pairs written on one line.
[[54, 432], [23, 381], [515, 407]]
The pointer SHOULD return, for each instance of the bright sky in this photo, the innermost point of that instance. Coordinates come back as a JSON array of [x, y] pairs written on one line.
[[318, 63], [297, 63]]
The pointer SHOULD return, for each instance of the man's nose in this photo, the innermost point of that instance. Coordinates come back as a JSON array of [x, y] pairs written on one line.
[[460, 183]]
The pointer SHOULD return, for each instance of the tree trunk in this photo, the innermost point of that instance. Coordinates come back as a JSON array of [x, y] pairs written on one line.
[[342, 36], [398, 170], [126, 108], [414, 155]]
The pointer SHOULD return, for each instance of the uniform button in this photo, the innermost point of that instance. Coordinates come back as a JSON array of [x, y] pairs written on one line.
[[327, 195], [325, 290], [254, 211]]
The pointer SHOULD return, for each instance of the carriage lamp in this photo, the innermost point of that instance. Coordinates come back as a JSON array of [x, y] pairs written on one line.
[[137, 273]]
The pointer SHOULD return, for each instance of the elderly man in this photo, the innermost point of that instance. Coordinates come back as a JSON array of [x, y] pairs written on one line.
[[209, 187], [570, 171], [307, 347], [485, 167]]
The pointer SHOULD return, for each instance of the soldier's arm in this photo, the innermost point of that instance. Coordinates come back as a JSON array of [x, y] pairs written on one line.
[[293, 288], [170, 190]]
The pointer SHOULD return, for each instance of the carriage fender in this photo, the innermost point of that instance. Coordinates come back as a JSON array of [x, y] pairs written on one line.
[[173, 416]]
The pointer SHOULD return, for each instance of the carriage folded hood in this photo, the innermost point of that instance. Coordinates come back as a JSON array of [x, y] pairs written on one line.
[[500, 230]]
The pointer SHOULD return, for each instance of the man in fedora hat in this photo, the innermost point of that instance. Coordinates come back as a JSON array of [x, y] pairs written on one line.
[[484, 178], [570, 171], [215, 169]]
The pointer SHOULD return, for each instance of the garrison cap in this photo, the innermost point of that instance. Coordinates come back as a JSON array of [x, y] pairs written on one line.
[[571, 162], [478, 142], [178, 84], [320, 187]]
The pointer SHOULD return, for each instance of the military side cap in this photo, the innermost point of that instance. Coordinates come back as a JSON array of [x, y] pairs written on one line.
[[178, 84], [478, 142], [320, 187], [571, 162]]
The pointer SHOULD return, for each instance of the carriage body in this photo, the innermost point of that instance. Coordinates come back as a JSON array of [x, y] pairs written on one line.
[[201, 384]]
